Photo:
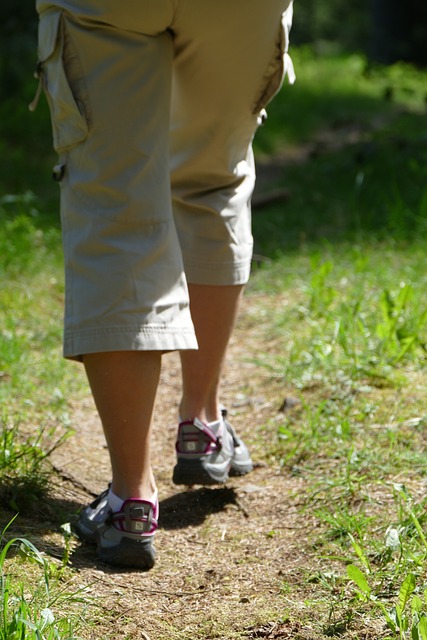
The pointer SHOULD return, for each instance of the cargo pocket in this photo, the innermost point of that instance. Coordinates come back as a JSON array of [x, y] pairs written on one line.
[[69, 120], [279, 67]]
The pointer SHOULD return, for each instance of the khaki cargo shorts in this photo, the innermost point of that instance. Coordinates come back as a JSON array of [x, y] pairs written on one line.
[[154, 104]]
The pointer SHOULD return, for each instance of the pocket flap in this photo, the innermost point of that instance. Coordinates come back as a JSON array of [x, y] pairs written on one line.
[[48, 34], [68, 122]]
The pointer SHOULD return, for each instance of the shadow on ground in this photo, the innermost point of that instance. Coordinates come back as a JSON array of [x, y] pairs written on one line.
[[191, 508]]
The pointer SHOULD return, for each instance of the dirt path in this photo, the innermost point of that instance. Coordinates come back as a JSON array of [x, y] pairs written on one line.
[[225, 555]]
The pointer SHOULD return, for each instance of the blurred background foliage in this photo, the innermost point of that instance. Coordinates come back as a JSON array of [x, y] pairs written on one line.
[[385, 30], [375, 32]]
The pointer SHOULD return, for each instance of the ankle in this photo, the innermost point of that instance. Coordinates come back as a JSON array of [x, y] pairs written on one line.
[[206, 412], [118, 494]]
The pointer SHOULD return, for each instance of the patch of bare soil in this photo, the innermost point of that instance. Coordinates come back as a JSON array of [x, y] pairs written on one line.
[[231, 560]]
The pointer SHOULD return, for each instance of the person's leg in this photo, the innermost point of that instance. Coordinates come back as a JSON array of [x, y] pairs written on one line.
[[126, 294], [208, 448], [214, 310], [124, 385], [220, 86]]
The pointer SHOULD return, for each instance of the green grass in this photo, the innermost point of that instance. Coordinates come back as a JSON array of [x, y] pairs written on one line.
[[344, 334], [334, 92], [32, 391], [37, 606], [340, 311], [361, 309], [362, 180], [342, 317]]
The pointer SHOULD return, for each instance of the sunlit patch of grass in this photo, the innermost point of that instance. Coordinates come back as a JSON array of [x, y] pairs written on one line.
[[33, 376], [351, 322], [335, 92], [34, 381], [24, 470], [346, 333], [41, 605]]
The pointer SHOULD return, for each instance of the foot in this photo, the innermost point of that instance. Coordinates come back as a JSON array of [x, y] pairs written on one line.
[[124, 538], [208, 455], [241, 462]]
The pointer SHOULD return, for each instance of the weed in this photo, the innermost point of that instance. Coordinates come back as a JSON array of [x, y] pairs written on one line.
[[409, 614], [38, 616], [321, 294], [411, 518], [400, 329], [24, 472]]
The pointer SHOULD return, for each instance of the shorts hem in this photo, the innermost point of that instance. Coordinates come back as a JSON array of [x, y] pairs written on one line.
[[79, 343], [214, 274]]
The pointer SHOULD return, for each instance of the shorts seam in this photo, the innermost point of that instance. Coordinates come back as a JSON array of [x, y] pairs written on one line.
[[218, 265], [152, 329]]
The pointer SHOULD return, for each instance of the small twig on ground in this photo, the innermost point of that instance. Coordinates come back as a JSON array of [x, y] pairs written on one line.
[[175, 594], [64, 475]]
